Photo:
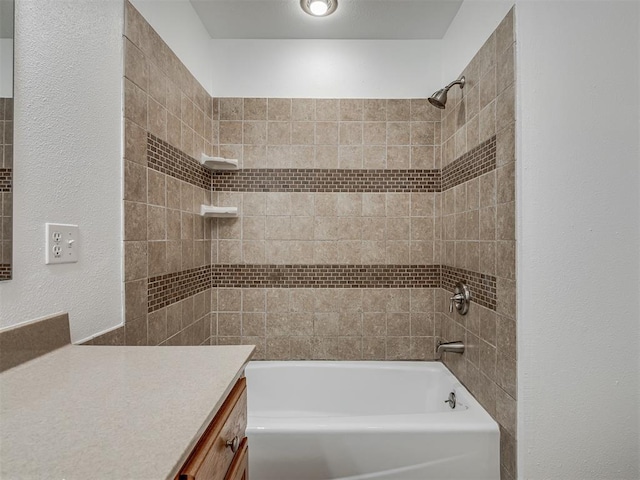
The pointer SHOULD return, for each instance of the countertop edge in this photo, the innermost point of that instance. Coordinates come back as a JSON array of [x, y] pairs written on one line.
[[185, 455]]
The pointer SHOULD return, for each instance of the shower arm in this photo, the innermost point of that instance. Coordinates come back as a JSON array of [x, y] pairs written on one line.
[[459, 81]]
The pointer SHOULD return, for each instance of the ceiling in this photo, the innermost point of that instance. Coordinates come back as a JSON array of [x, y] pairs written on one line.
[[354, 19]]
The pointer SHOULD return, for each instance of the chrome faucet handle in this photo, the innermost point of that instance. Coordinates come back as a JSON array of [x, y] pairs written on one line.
[[457, 299], [460, 299]]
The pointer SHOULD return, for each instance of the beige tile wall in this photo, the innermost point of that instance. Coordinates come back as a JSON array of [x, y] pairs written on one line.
[[343, 227], [478, 233], [163, 231], [6, 180], [330, 133], [329, 324], [327, 228]]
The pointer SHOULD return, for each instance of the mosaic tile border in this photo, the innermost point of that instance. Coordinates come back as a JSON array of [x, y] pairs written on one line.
[[165, 158], [326, 276], [482, 286], [164, 290], [5, 271], [327, 180], [5, 180], [477, 161]]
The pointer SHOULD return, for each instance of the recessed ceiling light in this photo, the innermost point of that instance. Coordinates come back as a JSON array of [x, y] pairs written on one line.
[[319, 8]]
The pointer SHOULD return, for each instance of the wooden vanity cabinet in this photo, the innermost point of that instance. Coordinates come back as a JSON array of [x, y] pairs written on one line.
[[239, 469], [222, 451]]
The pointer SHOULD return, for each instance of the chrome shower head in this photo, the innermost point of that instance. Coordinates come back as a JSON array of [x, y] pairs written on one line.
[[439, 98]]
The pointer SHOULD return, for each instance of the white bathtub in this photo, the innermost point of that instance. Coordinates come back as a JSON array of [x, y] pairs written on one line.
[[366, 420]]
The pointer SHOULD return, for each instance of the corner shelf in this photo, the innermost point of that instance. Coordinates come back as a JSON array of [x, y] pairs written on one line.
[[210, 211], [218, 163]]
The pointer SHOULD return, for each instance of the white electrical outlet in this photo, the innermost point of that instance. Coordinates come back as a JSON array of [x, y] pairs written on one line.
[[61, 243]]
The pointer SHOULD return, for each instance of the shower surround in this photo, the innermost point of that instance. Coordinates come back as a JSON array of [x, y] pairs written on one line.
[[356, 218], [478, 233], [333, 256]]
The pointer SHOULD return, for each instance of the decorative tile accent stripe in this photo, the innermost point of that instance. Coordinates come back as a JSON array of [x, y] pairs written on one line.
[[483, 287], [475, 162], [5, 271], [326, 276], [326, 180], [165, 158], [5, 180], [164, 290]]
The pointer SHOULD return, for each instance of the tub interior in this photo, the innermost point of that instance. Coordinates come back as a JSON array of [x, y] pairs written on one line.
[[329, 390]]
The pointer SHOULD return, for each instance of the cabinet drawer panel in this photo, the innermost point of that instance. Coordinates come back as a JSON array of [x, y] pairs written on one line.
[[239, 469], [212, 457]]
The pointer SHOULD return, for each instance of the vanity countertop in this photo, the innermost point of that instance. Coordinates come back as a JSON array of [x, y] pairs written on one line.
[[112, 412]]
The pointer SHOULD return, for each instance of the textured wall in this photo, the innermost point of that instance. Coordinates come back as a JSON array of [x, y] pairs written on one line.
[[478, 232], [579, 231], [67, 150]]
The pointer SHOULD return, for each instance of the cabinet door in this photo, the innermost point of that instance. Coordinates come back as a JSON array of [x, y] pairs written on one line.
[[212, 457], [239, 469]]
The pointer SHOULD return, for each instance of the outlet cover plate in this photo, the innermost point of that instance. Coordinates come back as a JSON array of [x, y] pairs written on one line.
[[62, 243]]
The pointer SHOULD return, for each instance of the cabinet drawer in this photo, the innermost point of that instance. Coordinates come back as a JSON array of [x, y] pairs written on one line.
[[239, 469], [212, 456]]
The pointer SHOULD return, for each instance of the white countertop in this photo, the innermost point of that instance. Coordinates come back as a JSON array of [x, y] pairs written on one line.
[[91, 412]]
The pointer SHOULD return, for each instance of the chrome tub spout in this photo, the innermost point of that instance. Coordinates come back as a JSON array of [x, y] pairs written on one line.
[[454, 347]]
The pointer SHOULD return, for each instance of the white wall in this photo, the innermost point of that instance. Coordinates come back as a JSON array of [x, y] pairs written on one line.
[[182, 30], [68, 103], [323, 68], [578, 239], [6, 67], [475, 22], [326, 68]]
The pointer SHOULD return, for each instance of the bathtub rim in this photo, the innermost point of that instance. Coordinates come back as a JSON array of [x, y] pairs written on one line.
[[475, 418]]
